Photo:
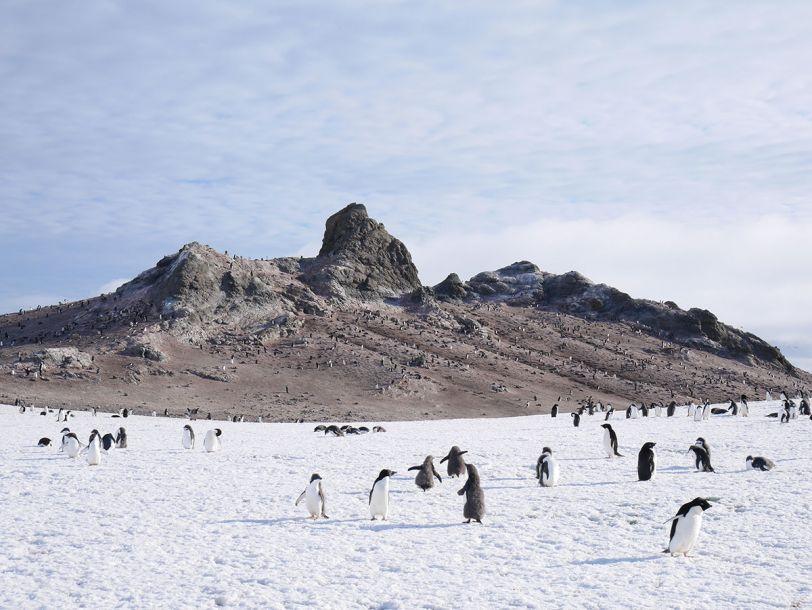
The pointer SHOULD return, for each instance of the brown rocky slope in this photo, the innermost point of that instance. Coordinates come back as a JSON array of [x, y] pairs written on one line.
[[351, 334]]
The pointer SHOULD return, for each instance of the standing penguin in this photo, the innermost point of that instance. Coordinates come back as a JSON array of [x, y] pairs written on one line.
[[71, 444], [426, 473], [610, 441], [379, 495], [701, 458], [733, 409], [313, 495], [474, 496], [701, 442], [576, 419], [658, 409], [547, 469], [456, 465], [644, 410], [646, 462], [121, 439], [94, 452], [108, 441], [745, 408], [554, 410], [706, 411], [609, 412], [672, 409], [698, 413], [188, 437], [759, 463], [685, 527], [211, 442]]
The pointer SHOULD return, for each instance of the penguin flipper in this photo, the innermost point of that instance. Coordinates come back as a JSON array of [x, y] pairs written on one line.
[[444, 459], [415, 468], [323, 502], [300, 498]]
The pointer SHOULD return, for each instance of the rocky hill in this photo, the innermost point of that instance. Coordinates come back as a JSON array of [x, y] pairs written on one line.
[[352, 334]]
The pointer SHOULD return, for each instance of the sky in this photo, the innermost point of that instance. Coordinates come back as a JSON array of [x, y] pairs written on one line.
[[663, 148]]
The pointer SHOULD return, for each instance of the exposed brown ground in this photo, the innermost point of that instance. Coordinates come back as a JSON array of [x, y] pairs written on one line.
[[364, 365]]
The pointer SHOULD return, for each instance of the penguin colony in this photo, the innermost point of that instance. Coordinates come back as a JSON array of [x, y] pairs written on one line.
[[685, 524]]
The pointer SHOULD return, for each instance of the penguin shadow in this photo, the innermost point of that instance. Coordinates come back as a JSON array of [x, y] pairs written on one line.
[[284, 520], [381, 527], [615, 560]]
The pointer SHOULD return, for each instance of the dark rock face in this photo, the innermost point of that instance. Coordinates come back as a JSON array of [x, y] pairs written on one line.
[[360, 259], [522, 284], [451, 288]]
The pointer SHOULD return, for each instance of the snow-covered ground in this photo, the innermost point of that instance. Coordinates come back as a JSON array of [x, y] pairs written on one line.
[[158, 526]]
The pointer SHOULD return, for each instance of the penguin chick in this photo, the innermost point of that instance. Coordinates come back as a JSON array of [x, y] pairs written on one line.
[[456, 465], [426, 473], [759, 463], [474, 496]]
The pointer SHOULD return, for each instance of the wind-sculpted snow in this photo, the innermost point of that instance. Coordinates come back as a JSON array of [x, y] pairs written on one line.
[[158, 526]]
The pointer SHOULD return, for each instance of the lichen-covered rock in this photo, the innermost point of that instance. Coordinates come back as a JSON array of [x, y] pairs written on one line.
[[64, 357]]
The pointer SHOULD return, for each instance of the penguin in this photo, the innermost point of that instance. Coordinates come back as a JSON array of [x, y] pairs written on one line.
[[609, 412], [554, 410], [805, 407], [706, 411], [733, 409], [474, 496], [44, 442], [672, 409], [658, 409], [610, 441], [701, 442], [363, 430], [702, 459], [456, 464], [767, 396], [629, 412], [313, 495], [744, 408], [378, 429], [644, 410], [121, 439], [634, 411], [576, 419], [94, 452], [646, 462], [717, 411], [320, 428], [547, 469], [21, 409], [698, 413], [211, 442], [759, 463], [426, 473], [188, 437], [685, 527], [334, 430], [379, 495], [93, 434], [108, 441]]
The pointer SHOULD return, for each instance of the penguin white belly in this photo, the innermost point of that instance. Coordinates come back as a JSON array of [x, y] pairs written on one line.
[[691, 410], [698, 414], [658, 411], [551, 479], [313, 500], [634, 413], [686, 533], [211, 442], [188, 442], [72, 447], [607, 444], [94, 453], [706, 412], [379, 503], [653, 465]]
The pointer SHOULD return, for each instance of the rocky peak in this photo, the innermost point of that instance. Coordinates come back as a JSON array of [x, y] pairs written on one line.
[[360, 259]]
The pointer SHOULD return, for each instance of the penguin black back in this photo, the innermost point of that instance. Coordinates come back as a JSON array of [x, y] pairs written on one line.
[[474, 496], [702, 458]]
